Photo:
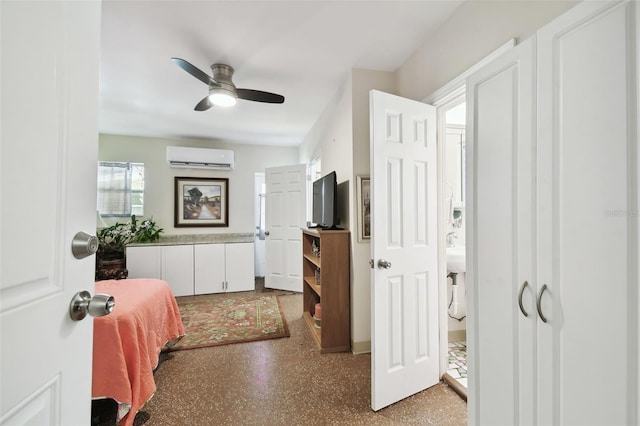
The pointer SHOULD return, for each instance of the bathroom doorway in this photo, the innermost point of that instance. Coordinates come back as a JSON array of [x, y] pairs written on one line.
[[452, 116]]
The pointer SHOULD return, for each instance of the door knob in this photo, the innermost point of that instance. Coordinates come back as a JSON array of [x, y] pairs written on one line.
[[83, 245], [97, 306], [266, 232], [384, 264]]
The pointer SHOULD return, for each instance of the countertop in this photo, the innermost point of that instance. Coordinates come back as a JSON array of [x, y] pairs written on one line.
[[173, 240]]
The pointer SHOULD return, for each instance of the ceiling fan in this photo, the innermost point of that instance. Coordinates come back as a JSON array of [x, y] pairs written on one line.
[[222, 91]]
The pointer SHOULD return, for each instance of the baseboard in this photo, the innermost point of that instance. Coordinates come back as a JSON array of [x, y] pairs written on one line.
[[455, 385], [457, 335], [361, 347]]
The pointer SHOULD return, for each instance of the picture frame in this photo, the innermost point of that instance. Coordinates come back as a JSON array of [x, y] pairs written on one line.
[[364, 207], [201, 202]]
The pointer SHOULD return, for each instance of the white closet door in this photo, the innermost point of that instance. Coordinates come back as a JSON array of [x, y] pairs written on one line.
[[209, 268], [177, 269], [239, 262], [144, 262], [500, 207], [588, 216]]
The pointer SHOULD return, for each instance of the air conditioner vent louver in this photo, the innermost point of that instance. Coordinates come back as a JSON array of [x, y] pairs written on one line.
[[200, 158]]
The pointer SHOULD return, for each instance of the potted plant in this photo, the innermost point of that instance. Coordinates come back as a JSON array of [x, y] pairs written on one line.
[[113, 240]]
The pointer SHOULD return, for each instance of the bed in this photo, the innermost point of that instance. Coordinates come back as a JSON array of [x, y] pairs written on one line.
[[127, 342]]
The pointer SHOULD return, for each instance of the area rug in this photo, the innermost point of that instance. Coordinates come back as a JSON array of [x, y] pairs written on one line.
[[221, 319]]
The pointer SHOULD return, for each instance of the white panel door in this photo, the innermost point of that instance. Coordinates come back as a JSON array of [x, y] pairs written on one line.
[[239, 267], [588, 216], [49, 81], [500, 241], [285, 215], [209, 268], [177, 269], [404, 317]]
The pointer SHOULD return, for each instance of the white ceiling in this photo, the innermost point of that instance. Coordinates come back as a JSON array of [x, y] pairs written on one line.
[[301, 49]]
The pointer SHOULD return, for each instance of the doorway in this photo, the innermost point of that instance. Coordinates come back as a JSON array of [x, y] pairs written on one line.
[[453, 131]]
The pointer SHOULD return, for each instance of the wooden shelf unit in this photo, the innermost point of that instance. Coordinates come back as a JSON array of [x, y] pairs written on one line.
[[333, 291]]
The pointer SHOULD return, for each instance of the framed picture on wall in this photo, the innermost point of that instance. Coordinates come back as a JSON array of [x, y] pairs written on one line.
[[364, 207], [201, 202]]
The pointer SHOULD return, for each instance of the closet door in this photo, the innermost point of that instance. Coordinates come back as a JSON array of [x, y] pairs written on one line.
[[500, 243], [177, 268], [588, 216], [209, 268], [240, 273]]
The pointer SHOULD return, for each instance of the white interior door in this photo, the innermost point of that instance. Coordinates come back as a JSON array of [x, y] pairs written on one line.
[[285, 215], [405, 351], [588, 215], [500, 240], [49, 55]]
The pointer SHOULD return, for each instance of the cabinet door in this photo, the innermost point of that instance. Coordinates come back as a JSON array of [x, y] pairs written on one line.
[[177, 269], [144, 262], [209, 268], [500, 185], [588, 215], [240, 267]]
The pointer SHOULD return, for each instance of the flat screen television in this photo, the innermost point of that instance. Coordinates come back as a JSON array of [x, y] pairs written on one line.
[[325, 211]]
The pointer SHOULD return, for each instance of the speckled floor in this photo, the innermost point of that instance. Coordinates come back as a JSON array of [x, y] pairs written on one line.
[[283, 382]]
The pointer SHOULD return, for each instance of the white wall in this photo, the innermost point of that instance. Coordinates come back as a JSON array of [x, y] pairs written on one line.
[[473, 31], [363, 81], [159, 194]]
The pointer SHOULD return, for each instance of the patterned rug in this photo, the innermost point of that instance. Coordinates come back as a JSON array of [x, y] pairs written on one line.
[[221, 319]]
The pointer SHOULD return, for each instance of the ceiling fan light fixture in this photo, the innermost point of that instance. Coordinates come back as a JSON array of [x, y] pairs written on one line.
[[219, 96]]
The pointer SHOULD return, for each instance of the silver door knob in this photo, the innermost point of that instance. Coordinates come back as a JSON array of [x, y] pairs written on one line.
[[97, 306], [83, 245], [384, 264]]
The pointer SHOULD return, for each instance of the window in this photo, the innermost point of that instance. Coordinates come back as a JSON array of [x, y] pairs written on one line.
[[120, 189]]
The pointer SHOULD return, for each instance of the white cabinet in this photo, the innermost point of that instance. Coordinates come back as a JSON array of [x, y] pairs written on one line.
[[240, 267], [174, 264], [553, 221], [144, 261], [224, 267], [195, 268], [177, 269], [209, 268]]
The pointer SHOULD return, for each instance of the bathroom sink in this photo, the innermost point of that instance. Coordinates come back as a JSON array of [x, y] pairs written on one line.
[[456, 259]]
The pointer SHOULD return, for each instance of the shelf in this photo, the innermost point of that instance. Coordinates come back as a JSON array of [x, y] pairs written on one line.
[[312, 259], [315, 331], [311, 282], [333, 293]]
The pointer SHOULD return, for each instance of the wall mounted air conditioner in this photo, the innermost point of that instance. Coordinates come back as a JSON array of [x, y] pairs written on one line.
[[200, 158]]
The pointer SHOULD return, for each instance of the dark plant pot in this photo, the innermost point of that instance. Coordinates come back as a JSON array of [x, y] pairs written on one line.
[[111, 266], [112, 263]]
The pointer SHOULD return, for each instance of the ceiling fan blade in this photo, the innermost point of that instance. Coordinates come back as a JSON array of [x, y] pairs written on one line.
[[259, 96], [194, 71], [204, 104]]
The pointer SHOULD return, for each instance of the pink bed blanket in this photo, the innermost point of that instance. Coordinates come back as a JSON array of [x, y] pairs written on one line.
[[127, 342]]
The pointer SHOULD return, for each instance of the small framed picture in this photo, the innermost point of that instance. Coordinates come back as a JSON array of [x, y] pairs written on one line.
[[364, 207], [201, 202]]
